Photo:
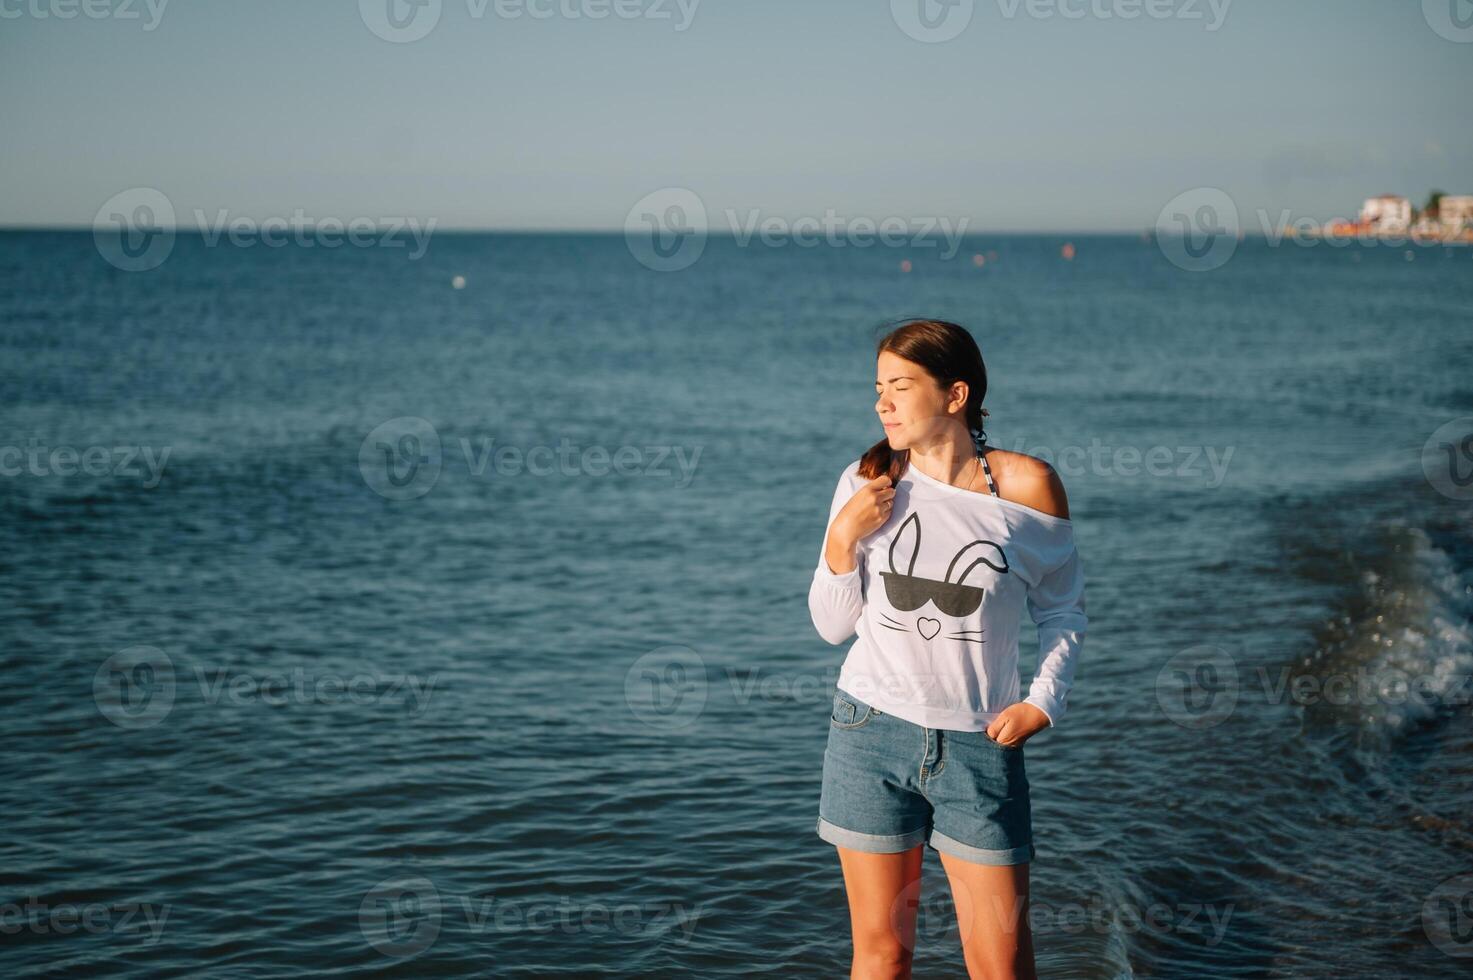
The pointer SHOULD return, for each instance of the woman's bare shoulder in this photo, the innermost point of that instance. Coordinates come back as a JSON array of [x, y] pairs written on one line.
[[1029, 481]]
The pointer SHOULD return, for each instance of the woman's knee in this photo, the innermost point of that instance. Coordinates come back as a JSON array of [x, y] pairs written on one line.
[[882, 959]]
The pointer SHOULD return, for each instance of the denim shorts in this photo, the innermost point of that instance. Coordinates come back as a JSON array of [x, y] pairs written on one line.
[[889, 784]]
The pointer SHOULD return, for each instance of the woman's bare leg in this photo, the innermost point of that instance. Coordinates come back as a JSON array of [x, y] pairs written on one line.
[[992, 917], [884, 895]]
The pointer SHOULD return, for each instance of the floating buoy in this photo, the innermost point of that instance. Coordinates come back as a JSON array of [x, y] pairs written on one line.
[[1067, 251], [905, 265], [979, 260], [458, 282]]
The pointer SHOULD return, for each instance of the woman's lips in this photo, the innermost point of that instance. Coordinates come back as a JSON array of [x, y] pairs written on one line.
[[891, 425]]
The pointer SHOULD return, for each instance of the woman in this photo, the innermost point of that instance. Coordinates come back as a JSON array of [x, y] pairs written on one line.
[[935, 544]]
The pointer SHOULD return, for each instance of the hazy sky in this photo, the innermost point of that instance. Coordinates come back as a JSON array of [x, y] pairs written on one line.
[[1054, 119]]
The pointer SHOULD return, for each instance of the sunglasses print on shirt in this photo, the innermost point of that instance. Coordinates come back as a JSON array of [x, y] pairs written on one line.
[[908, 592]]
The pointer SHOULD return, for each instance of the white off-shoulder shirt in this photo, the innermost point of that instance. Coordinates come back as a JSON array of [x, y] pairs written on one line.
[[936, 602]]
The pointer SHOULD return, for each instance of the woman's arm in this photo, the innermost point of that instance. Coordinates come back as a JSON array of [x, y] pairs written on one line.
[[1056, 604], [835, 596]]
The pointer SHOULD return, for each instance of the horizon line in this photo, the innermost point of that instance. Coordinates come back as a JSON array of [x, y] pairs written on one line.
[[524, 230]]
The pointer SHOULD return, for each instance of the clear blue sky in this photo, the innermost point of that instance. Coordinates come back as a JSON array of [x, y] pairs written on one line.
[[786, 106]]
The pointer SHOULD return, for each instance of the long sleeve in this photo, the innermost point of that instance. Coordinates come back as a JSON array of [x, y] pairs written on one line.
[[835, 601], [1056, 605]]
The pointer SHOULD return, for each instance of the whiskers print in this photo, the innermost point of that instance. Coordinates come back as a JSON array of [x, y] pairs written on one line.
[[928, 627]]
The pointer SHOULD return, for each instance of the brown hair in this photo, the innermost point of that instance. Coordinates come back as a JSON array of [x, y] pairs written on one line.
[[949, 354]]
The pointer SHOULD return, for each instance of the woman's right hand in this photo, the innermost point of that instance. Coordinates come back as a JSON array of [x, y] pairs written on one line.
[[862, 516]]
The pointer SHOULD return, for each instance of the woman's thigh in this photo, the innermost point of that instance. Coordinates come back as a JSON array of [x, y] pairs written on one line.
[[884, 894], [992, 916]]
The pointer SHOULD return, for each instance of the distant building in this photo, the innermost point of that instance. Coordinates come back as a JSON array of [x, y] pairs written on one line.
[[1455, 211], [1389, 212], [1427, 226]]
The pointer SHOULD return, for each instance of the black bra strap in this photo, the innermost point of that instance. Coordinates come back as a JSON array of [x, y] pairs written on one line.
[[988, 471]]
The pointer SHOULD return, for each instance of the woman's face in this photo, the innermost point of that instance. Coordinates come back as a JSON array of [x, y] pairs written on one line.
[[911, 405]]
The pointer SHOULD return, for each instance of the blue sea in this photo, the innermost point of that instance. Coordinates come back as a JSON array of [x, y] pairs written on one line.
[[357, 624]]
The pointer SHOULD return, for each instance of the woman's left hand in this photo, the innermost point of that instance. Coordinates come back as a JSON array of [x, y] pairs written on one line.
[[1017, 723]]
